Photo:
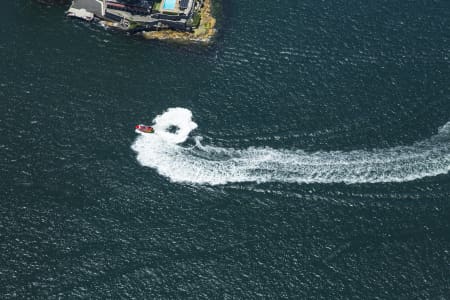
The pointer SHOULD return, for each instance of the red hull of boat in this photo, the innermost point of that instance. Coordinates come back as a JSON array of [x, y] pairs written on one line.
[[144, 128]]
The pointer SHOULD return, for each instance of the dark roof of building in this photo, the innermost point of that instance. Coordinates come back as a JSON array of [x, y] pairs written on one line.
[[184, 4]]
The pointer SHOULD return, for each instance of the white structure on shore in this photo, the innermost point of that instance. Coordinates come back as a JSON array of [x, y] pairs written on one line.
[[97, 7]]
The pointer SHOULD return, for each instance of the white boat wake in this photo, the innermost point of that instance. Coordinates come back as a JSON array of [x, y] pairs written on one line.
[[216, 165]]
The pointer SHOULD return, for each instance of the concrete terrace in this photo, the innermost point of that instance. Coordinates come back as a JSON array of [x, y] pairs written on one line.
[[131, 17]]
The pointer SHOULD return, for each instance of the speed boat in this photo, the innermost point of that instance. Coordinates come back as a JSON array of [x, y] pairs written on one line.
[[144, 128]]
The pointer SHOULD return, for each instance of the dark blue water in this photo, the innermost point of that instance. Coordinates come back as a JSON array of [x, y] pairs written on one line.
[[318, 167]]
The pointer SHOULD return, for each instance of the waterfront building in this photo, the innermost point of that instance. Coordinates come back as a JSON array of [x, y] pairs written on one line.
[[139, 15]]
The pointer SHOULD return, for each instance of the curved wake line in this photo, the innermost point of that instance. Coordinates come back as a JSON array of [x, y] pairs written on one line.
[[217, 165]]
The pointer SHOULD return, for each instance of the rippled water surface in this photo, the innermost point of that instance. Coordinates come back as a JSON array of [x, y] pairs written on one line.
[[312, 158]]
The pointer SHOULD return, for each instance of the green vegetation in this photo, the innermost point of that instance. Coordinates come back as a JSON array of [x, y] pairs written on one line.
[[157, 6], [196, 18], [133, 25]]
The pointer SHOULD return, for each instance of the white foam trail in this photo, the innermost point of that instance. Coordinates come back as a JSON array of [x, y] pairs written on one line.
[[216, 165]]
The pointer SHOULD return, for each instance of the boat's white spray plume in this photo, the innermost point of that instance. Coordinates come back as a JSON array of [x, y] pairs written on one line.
[[216, 165]]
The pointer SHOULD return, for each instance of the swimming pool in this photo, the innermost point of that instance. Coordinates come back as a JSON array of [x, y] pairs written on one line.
[[169, 4]]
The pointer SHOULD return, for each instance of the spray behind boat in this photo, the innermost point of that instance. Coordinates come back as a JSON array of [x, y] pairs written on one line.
[[208, 164]]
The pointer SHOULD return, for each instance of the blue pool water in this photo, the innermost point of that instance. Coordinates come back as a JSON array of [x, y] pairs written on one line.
[[169, 4]]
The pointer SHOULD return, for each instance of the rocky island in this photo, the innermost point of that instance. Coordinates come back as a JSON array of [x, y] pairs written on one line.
[[178, 20]]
